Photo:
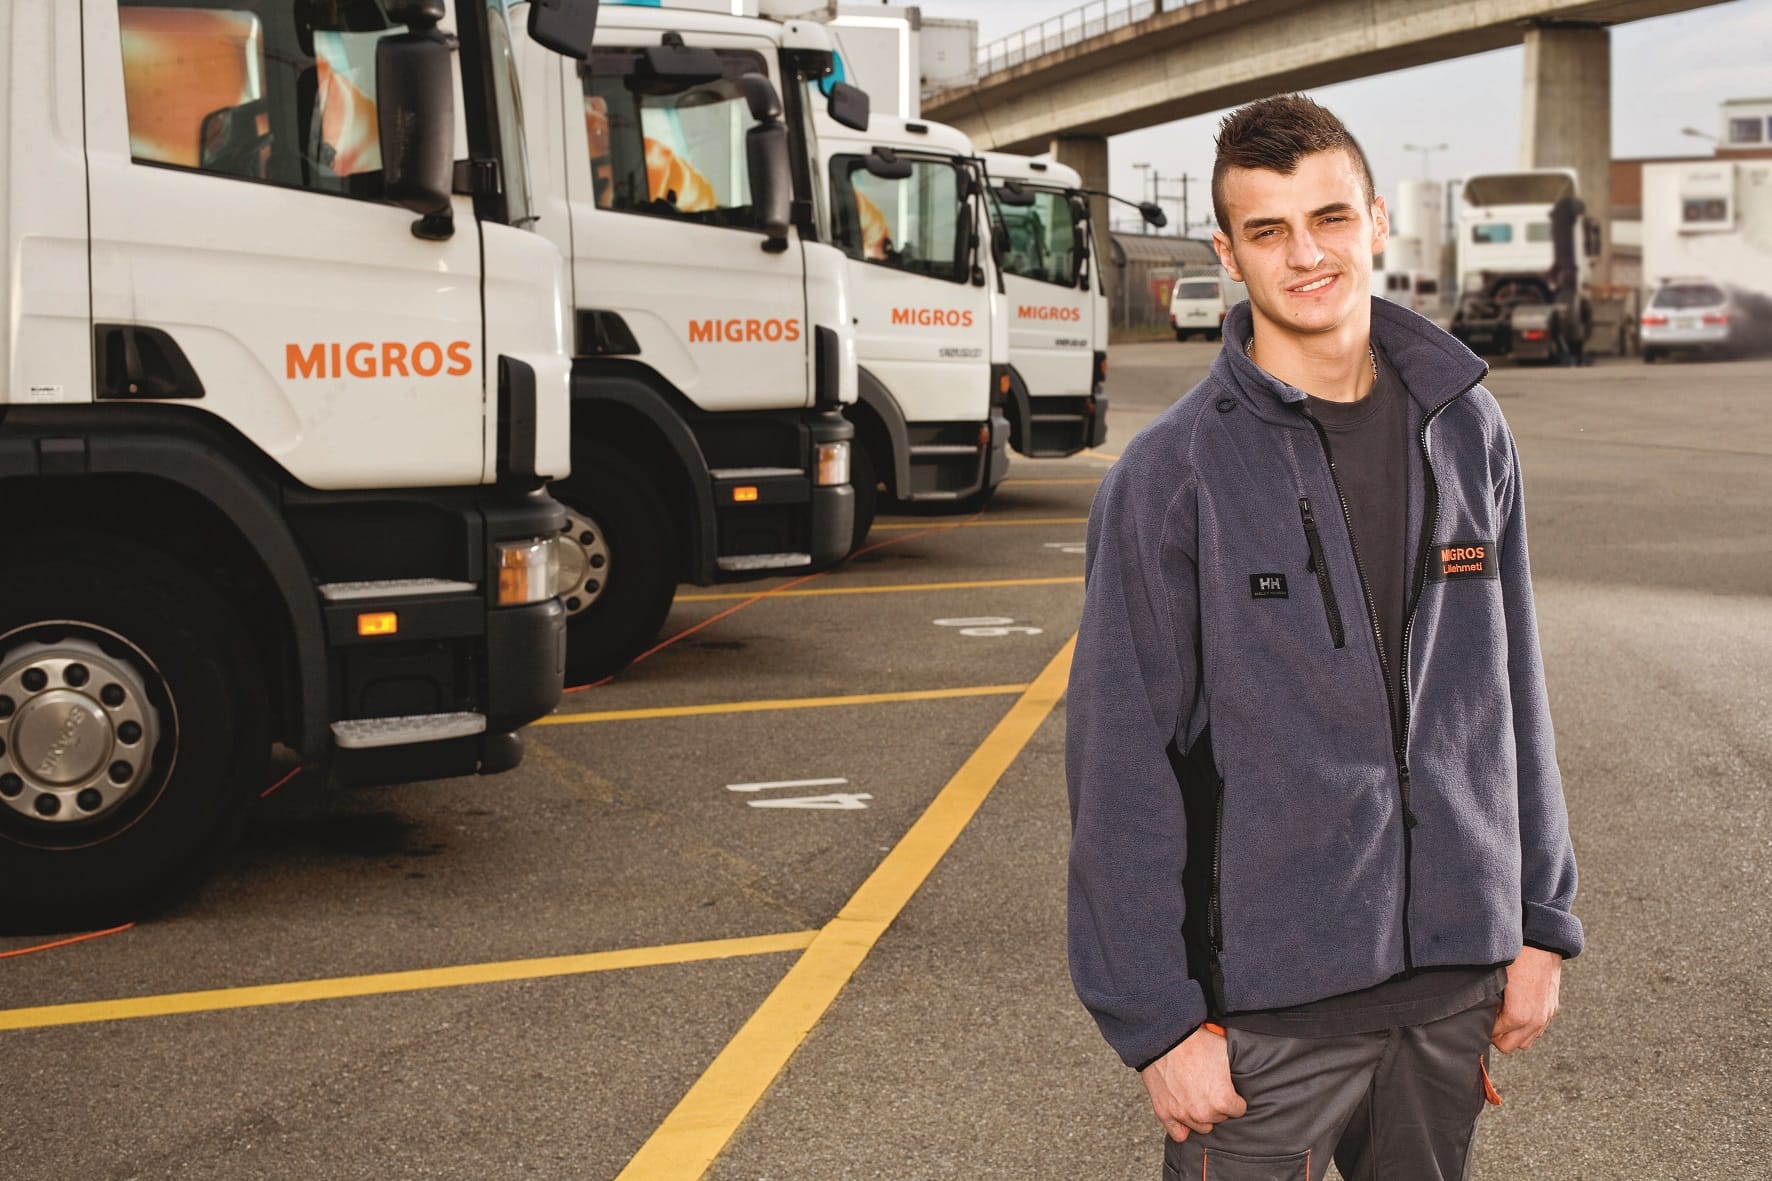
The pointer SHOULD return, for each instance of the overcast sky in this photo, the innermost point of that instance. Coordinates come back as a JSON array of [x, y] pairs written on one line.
[[1667, 74]]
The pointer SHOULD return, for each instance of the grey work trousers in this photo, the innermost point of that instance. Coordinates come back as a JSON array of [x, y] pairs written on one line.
[[1395, 1105]]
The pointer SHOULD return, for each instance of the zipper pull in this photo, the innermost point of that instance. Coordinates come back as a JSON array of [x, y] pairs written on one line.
[[1304, 506], [1409, 820]]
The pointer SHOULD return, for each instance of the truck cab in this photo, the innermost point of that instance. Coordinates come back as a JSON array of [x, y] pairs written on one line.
[[1057, 306], [285, 376], [906, 203], [1523, 252], [711, 327]]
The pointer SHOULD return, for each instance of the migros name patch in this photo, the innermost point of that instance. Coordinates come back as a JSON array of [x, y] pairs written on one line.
[[744, 331], [1464, 559], [933, 317], [378, 358], [1028, 311]]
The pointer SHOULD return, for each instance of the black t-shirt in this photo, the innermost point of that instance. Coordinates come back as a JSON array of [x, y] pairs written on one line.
[[1369, 442]]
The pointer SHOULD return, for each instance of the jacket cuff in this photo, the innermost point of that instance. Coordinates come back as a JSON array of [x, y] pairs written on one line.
[[1553, 930], [1143, 1028]]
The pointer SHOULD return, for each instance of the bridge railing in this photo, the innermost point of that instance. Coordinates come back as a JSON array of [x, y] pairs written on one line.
[[1067, 29]]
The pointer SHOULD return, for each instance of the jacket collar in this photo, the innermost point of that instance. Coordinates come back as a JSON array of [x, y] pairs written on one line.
[[1434, 365]]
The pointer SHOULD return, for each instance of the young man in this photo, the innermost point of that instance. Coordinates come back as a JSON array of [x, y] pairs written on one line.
[[1320, 858]]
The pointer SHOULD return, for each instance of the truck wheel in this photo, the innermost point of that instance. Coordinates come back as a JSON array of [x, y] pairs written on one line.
[[867, 493], [619, 566], [1180, 335], [133, 730]]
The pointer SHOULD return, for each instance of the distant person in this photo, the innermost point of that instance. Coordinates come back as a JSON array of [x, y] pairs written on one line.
[[1320, 858]]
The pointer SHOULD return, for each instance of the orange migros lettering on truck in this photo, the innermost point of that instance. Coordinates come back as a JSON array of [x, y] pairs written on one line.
[[744, 331], [378, 358], [933, 317], [1029, 311]]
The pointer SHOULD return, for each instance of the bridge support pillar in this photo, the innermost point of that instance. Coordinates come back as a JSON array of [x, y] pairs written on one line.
[[1088, 154], [1566, 119]]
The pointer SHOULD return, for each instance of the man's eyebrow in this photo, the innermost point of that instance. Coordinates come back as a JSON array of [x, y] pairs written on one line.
[[1261, 223]]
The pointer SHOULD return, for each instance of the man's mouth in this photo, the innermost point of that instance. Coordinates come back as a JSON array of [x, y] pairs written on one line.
[[1313, 285]]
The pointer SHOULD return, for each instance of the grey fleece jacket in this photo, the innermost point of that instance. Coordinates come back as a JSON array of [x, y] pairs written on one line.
[[1250, 828]]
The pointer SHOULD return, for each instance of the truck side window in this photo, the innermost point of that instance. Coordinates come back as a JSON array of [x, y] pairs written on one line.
[[912, 225], [281, 91], [1042, 239], [668, 148]]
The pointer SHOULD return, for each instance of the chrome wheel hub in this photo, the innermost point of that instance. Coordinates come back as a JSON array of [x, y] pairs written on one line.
[[584, 562]]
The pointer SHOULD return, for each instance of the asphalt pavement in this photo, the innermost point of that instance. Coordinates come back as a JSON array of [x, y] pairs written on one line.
[[785, 900]]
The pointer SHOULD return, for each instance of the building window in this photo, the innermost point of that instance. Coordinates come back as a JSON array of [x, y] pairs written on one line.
[[1745, 131]]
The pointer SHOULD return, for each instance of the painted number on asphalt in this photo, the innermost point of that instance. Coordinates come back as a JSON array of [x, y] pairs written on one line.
[[842, 801], [989, 626]]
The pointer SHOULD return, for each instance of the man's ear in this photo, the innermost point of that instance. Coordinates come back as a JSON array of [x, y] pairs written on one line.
[[1381, 226], [1226, 257]]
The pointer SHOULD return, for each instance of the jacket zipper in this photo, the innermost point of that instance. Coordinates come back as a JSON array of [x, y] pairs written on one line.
[[1320, 568], [1398, 712], [1214, 917]]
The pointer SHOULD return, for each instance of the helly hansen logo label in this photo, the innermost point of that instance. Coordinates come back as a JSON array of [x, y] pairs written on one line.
[[1463, 559], [1267, 586]]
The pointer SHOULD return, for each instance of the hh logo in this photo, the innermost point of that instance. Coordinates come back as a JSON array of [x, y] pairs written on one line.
[[1463, 559], [1267, 586]]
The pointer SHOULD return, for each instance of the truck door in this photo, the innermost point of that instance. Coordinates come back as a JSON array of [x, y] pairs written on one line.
[[1050, 317], [665, 234], [922, 326], [235, 173]]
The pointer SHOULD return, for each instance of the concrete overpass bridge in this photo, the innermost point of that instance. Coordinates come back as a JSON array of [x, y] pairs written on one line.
[[1119, 65]]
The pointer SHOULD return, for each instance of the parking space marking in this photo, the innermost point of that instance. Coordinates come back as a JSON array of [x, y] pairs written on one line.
[[749, 707], [698, 1129], [773, 784], [890, 588], [417, 980], [988, 523]]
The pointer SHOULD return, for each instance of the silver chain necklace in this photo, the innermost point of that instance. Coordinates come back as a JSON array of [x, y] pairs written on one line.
[[1370, 355]]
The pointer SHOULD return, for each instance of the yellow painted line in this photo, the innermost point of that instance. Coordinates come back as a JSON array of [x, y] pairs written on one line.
[[749, 707], [887, 589], [1107, 455], [702, 1124], [998, 522], [420, 980]]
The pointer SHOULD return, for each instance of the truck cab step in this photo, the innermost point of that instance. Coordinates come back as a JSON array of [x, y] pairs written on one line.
[[745, 563], [368, 733], [391, 588]]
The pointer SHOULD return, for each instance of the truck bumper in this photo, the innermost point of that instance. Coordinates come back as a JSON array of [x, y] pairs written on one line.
[[456, 654], [1060, 426], [784, 520]]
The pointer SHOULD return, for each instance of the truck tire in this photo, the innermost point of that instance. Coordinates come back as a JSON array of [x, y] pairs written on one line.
[[867, 493], [622, 548], [134, 720], [1180, 335]]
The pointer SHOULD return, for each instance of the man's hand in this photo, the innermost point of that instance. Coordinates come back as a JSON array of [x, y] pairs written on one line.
[[1191, 1087], [1530, 1000]]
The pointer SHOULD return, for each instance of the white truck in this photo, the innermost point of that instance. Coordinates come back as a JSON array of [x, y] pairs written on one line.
[[285, 377], [1057, 305], [712, 334], [1711, 218], [906, 202], [1525, 285]]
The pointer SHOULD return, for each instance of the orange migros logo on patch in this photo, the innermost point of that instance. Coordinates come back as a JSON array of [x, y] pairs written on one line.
[[744, 331], [378, 358], [1464, 559], [1028, 311], [932, 317]]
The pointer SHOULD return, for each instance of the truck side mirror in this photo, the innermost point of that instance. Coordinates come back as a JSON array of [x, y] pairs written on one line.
[[1153, 214], [849, 105], [772, 182], [677, 65], [415, 100], [1014, 196], [761, 98], [564, 26]]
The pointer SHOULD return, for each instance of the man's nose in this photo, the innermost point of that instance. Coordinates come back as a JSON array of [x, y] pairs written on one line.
[[1303, 253]]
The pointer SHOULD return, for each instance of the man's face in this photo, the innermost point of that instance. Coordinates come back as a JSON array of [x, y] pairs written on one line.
[[1303, 244]]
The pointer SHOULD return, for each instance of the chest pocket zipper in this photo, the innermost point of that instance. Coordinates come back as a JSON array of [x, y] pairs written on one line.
[[1320, 567]]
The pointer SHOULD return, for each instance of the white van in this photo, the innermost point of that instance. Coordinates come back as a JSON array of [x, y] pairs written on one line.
[[1415, 290], [1197, 305]]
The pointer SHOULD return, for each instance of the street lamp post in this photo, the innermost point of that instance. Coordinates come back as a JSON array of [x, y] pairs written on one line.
[[1426, 151]]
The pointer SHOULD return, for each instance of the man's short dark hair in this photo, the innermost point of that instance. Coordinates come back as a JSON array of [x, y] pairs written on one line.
[[1275, 134]]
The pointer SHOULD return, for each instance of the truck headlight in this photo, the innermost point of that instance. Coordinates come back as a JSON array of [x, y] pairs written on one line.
[[528, 571], [832, 466]]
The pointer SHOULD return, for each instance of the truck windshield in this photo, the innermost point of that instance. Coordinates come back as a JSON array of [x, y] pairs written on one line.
[[1041, 239], [912, 224], [519, 206]]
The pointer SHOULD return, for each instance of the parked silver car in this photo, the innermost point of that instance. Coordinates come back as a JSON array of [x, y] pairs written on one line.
[[1700, 316]]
